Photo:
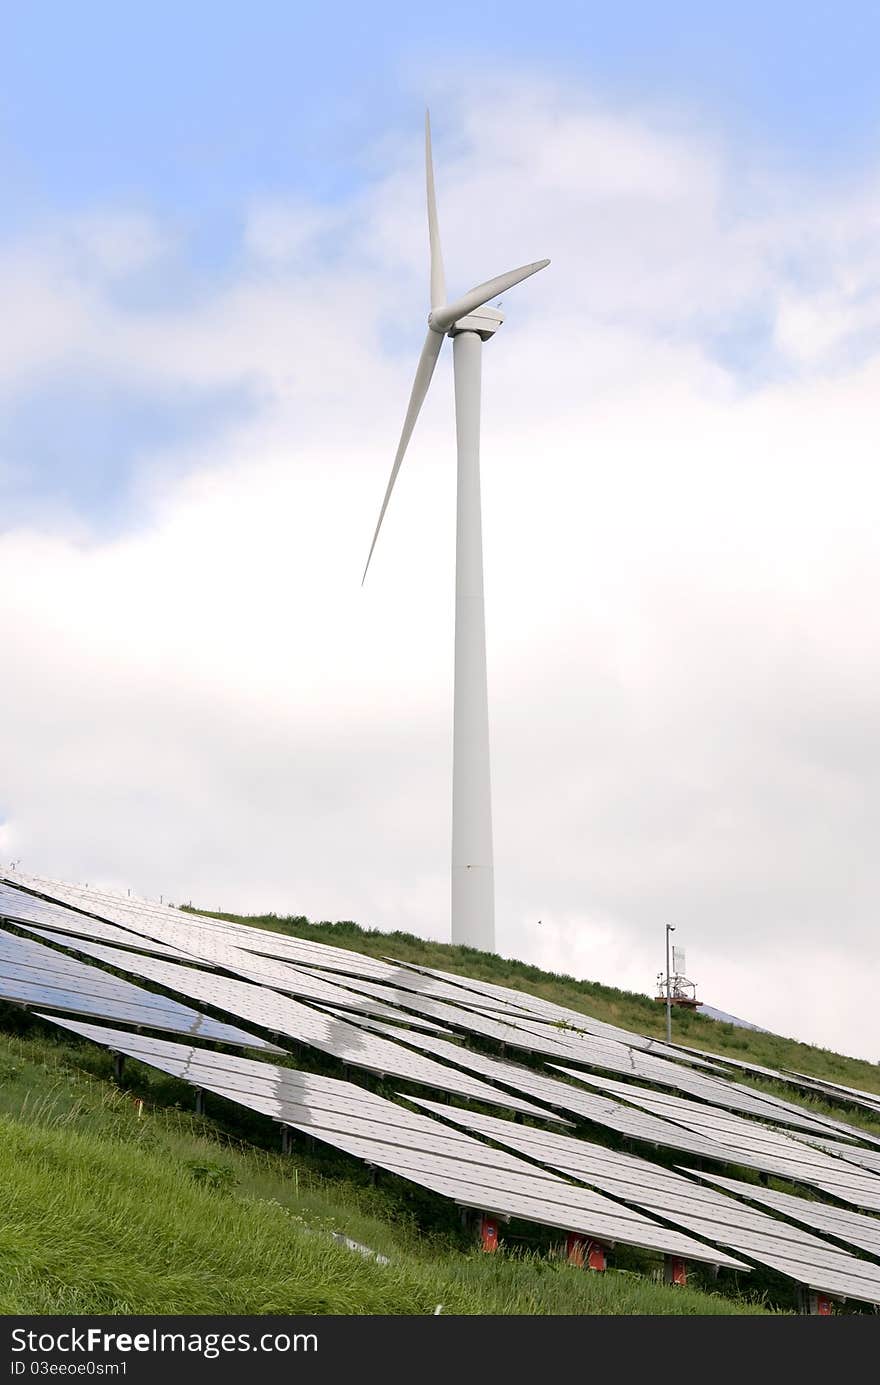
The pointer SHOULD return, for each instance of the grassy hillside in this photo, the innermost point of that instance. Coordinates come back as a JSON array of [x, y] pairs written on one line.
[[117, 1198]]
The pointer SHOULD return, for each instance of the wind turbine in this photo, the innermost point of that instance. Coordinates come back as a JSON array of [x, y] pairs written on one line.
[[470, 322]]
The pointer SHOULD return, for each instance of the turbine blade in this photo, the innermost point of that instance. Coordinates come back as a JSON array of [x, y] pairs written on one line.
[[438, 278], [442, 318], [424, 371]]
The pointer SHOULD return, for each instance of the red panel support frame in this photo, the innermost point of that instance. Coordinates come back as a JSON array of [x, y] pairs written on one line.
[[675, 1271], [488, 1234], [815, 1303], [596, 1257], [584, 1253]]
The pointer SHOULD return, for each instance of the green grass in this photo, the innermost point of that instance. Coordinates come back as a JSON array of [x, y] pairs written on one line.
[[105, 1210]]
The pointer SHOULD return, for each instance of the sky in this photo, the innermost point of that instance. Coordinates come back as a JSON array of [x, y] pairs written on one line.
[[213, 261]]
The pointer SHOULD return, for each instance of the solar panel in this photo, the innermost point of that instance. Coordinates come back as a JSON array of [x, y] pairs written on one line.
[[31, 971], [91, 898], [19, 907], [580, 1048], [379, 974], [323, 957], [280, 1014], [602, 1053], [750, 1144], [727, 1060], [563, 1096], [268, 943], [417, 1001], [413, 1146], [714, 1088], [213, 946], [333, 959], [852, 1154], [857, 1228], [547, 1009], [803, 1084], [269, 971], [194, 933], [870, 1100], [22, 952], [37, 979], [806, 1258], [725, 1125], [239, 950], [545, 1027], [373, 975], [292, 982], [355, 993], [148, 921], [22, 958], [218, 953], [648, 1127], [230, 1073]]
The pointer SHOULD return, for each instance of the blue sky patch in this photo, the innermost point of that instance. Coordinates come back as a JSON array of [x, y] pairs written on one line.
[[73, 444]]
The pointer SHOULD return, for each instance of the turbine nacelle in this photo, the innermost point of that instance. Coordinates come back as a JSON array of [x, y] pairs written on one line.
[[484, 320]]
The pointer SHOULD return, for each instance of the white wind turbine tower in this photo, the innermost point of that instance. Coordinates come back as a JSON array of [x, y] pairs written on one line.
[[470, 322]]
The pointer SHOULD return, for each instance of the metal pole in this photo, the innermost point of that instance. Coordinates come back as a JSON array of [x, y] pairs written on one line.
[[473, 889], [670, 928]]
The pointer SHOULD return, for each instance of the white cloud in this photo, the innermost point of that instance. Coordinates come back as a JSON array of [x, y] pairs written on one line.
[[680, 576], [113, 245], [286, 232]]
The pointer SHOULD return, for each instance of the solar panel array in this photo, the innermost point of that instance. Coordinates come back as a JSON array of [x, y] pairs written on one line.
[[282, 1015], [750, 1144], [570, 1099], [519, 1032], [850, 1153], [854, 1227], [766, 1240], [17, 907], [648, 1125], [164, 923], [448, 1033], [853, 1096], [870, 1101], [538, 1006], [32, 975], [388, 1136], [310, 988]]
